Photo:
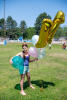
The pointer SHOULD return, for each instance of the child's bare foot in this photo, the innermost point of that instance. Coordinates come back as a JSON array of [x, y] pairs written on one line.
[[23, 93], [32, 87]]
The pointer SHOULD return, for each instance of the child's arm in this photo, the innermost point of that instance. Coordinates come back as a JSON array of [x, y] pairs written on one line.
[[32, 60], [19, 54]]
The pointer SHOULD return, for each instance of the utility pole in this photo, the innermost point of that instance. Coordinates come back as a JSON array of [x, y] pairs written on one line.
[[4, 21]]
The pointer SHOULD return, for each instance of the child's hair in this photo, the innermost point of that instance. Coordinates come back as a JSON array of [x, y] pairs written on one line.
[[24, 44]]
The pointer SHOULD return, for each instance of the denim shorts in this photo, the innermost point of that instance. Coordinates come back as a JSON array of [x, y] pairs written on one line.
[[24, 70]]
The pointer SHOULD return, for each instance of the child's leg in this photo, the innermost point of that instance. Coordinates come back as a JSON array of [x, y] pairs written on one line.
[[28, 78], [29, 81], [21, 84]]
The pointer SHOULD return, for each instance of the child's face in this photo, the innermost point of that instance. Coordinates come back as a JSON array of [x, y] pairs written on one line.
[[25, 49]]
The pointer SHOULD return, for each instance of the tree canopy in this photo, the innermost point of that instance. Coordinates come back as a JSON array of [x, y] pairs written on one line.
[[39, 20]]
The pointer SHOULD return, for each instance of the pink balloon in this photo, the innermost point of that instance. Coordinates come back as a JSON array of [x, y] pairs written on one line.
[[33, 52]]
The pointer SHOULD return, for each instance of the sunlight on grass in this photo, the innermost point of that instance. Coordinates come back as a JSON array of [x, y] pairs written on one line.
[[48, 75]]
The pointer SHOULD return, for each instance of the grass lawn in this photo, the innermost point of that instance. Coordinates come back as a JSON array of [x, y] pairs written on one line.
[[48, 75]]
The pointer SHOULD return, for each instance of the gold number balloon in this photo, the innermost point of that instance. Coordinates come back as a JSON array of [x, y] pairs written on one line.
[[48, 29], [59, 19], [46, 24]]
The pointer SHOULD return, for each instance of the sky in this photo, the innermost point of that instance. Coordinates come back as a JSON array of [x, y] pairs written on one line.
[[29, 10]]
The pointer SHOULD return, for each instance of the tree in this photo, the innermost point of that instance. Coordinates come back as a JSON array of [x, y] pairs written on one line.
[[65, 31], [2, 23], [2, 33], [29, 33], [14, 24], [23, 26], [39, 20], [11, 23], [11, 27], [59, 33]]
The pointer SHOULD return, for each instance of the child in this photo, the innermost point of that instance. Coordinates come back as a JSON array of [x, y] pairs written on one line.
[[24, 72]]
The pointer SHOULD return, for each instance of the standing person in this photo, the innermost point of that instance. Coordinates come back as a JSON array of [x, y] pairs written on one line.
[[64, 46], [24, 54]]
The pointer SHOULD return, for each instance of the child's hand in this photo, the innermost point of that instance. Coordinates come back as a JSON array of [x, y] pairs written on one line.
[[11, 61], [36, 59]]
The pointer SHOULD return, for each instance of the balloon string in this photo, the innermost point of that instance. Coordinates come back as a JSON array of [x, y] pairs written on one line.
[[37, 65]]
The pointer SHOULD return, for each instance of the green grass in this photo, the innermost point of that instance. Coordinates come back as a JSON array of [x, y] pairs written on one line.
[[48, 75]]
